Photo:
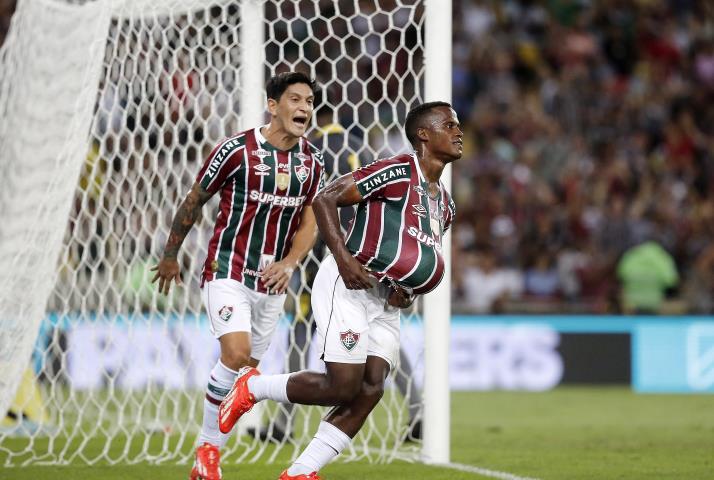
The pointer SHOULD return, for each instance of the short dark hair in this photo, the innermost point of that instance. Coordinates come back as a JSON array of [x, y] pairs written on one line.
[[277, 85], [415, 117]]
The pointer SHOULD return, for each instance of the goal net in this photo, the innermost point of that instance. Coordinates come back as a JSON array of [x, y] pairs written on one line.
[[107, 110]]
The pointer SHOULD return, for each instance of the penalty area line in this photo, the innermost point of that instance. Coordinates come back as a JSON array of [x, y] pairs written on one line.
[[481, 471]]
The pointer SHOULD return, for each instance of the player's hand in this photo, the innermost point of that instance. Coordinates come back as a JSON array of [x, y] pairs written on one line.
[[399, 297], [276, 276], [353, 273], [166, 271]]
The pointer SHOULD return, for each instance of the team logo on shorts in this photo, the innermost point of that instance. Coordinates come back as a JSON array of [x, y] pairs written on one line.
[[302, 172], [225, 312], [349, 339]]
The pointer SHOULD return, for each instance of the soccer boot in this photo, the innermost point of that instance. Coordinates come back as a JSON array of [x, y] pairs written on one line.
[[302, 476], [207, 465], [238, 401]]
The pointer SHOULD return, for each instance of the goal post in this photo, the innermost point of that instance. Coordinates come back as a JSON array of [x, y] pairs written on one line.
[[252, 13], [108, 108], [437, 304]]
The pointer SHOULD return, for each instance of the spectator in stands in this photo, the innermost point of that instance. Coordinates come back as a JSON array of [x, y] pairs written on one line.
[[590, 130], [646, 273], [485, 284]]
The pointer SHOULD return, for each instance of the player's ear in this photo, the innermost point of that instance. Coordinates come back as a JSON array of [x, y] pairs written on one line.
[[273, 106], [422, 133]]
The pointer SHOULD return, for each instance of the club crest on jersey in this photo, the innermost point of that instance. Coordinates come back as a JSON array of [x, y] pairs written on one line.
[[302, 172], [282, 180], [419, 210], [419, 190], [260, 153], [262, 169], [349, 339], [225, 312]]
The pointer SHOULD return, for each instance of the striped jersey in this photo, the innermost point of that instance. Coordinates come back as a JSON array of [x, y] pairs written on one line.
[[262, 192], [398, 229]]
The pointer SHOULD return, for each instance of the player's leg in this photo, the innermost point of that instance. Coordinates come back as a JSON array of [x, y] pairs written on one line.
[[341, 320], [280, 427], [342, 423], [382, 347], [228, 311]]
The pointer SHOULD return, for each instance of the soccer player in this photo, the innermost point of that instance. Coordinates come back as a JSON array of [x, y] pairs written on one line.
[[267, 178], [392, 253]]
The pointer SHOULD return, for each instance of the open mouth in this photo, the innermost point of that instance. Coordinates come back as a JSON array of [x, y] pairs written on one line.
[[301, 121]]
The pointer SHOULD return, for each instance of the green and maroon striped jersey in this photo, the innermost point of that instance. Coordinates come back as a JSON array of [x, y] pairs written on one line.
[[262, 192], [397, 231]]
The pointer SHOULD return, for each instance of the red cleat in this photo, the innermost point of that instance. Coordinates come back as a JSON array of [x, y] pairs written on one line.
[[302, 476], [238, 401], [207, 465]]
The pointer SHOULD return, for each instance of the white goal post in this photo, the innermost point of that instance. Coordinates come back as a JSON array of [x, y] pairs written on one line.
[[107, 109]]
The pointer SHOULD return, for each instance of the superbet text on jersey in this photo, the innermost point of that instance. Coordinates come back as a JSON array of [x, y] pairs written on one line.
[[397, 232], [262, 191]]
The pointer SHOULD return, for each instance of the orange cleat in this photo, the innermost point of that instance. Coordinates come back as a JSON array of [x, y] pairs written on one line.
[[207, 465], [302, 476], [238, 401]]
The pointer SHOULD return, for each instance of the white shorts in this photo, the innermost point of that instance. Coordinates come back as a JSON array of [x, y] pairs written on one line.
[[233, 307], [353, 324]]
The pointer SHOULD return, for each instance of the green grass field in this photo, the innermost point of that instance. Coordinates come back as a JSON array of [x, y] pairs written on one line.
[[569, 433]]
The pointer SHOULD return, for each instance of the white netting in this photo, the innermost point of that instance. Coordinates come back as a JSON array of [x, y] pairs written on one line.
[[120, 369]]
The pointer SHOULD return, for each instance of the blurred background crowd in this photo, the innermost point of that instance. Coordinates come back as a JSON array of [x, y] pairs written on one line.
[[586, 182]]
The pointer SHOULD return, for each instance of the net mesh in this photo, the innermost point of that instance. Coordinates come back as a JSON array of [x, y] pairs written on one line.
[[118, 370]]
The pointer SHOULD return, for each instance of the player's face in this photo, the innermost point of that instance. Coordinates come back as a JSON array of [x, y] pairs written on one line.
[[446, 139], [294, 109]]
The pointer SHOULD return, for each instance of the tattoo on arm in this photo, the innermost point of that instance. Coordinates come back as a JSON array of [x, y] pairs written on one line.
[[184, 219]]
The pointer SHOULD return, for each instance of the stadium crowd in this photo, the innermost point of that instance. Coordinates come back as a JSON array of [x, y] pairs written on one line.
[[586, 183]]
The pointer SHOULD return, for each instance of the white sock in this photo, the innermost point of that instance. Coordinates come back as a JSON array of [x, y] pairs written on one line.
[[270, 387], [219, 384], [329, 441]]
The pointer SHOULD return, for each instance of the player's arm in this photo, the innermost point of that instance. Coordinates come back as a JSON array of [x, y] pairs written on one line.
[[276, 276], [187, 214], [342, 192]]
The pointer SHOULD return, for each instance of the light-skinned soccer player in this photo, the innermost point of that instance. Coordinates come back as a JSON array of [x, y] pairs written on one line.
[[267, 178]]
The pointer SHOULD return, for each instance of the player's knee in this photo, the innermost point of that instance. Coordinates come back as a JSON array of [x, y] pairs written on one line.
[[235, 359], [346, 392], [372, 391]]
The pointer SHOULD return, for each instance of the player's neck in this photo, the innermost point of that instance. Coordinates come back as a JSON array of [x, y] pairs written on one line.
[[431, 167], [278, 137]]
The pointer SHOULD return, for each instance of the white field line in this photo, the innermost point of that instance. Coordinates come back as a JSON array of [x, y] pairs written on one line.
[[481, 471]]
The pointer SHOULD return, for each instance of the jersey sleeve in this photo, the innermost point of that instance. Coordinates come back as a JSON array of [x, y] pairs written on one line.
[[374, 180], [221, 164], [449, 212]]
